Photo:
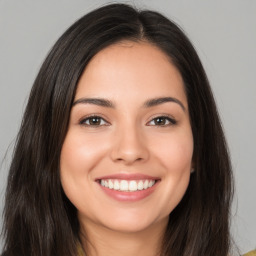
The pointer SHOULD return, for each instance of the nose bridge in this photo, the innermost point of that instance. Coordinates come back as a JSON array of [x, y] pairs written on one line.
[[129, 144]]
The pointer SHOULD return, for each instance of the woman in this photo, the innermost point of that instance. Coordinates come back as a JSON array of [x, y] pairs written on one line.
[[121, 150]]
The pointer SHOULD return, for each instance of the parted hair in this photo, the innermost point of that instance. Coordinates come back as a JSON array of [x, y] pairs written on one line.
[[39, 220]]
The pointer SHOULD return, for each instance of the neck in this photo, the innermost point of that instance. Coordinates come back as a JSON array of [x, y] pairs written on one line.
[[101, 241]]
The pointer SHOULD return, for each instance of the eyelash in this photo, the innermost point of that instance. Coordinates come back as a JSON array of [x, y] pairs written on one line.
[[86, 119], [169, 119]]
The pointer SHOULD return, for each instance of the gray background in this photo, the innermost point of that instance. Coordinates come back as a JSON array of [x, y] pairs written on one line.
[[224, 34]]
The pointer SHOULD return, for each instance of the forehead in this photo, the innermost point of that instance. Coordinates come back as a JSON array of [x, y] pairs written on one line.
[[135, 69]]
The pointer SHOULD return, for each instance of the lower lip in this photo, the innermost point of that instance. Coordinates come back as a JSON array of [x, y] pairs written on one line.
[[129, 196]]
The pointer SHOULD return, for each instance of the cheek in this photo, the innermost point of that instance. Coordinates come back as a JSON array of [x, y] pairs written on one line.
[[174, 152], [79, 153]]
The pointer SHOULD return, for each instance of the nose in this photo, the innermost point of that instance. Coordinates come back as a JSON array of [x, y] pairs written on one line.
[[129, 146]]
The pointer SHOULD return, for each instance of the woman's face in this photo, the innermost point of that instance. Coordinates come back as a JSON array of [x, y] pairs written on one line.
[[127, 156]]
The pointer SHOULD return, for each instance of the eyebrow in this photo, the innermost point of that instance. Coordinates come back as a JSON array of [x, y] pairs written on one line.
[[109, 104], [95, 101], [158, 101]]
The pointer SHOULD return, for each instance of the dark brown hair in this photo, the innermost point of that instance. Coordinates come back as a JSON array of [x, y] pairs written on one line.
[[38, 218]]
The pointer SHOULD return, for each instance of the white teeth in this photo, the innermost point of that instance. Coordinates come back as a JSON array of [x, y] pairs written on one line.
[[133, 186], [140, 185], [123, 185], [116, 185], [145, 186], [127, 185], [110, 184], [151, 183]]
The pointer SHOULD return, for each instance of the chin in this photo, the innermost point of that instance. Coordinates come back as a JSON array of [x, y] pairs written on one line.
[[134, 223]]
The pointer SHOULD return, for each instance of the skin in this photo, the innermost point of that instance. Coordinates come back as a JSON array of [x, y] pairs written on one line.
[[127, 140]]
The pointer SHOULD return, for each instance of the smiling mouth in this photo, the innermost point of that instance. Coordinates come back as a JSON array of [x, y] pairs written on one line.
[[127, 185]]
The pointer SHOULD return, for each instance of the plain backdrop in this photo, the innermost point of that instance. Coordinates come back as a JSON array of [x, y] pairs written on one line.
[[224, 34]]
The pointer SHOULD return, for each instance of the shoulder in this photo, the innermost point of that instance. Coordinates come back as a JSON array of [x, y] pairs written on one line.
[[251, 253]]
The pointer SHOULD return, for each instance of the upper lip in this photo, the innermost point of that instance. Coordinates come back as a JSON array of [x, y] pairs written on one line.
[[128, 176]]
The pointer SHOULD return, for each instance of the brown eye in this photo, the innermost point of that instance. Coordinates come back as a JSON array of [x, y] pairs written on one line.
[[162, 121], [93, 121]]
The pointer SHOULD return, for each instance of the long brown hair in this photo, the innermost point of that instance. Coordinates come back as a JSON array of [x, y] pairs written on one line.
[[38, 218]]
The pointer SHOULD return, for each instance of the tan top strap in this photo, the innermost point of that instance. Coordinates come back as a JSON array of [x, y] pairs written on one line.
[[251, 253]]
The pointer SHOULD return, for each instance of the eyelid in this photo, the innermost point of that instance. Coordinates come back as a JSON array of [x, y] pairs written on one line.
[[87, 117], [170, 118]]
